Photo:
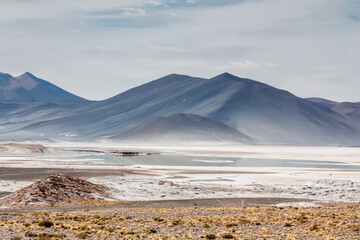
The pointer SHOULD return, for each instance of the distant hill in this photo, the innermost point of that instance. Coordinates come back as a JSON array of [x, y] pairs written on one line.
[[27, 87], [257, 110], [186, 128]]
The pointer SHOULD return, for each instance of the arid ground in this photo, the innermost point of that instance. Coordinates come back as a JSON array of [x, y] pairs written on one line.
[[188, 202], [199, 221]]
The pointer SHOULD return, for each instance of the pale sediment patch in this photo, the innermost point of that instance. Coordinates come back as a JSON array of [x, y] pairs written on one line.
[[12, 186], [297, 204], [137, 187]]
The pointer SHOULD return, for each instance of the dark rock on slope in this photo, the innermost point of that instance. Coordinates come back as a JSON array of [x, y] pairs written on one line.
[[349, 110]]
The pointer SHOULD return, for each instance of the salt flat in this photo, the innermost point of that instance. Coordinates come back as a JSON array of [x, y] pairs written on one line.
[[319, 173]]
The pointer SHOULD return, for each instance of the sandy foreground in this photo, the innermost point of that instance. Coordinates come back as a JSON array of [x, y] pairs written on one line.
[[192, 222]]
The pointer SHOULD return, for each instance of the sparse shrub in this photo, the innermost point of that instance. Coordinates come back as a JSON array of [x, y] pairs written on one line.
[[64, 227], [16, 238], [44, 236], [27, 224], [47, 236], [153, 230], [354, 227], [244, 221], [79, 218], [302, 218], [46, 223], [288, 224], [210, 236], [314, 227], [206, 225], [101, 227], [231, 225], [157, 219], [227, 236], [30, 234], [176, 222], [83, 235]]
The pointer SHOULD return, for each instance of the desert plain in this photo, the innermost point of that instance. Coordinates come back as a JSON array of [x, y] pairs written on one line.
[[187, 192]]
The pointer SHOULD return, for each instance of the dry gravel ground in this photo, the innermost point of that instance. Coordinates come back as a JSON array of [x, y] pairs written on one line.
[[34, 174], [97, 205], [191, 222]]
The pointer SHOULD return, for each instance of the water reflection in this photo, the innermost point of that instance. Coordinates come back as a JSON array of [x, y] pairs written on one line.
[[187, 160]]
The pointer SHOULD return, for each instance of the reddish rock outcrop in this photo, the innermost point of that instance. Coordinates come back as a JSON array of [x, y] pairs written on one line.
[[56, 190]]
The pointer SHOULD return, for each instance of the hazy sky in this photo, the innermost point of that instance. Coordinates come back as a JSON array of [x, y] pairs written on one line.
[[97, 49]]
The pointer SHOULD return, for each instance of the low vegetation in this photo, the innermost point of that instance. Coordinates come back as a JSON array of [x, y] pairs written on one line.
[[328, 222]]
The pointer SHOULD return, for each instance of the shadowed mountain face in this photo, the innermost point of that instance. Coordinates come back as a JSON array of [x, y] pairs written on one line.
[[348, 110], [27, 87], [270, 115], [187, 128]]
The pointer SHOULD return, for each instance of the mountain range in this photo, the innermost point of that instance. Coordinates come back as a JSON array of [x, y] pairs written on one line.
[[27, 87], [224, 108]]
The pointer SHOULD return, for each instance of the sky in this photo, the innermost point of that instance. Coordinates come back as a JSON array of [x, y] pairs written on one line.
[[97, 49]]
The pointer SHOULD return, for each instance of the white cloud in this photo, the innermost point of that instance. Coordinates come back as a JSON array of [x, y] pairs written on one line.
[[129, 12], [240, 65], [99, 48], [167, 48], [180, 63], [245, 65]]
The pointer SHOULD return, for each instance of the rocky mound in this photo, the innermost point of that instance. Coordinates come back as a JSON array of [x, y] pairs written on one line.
[[56, 190]]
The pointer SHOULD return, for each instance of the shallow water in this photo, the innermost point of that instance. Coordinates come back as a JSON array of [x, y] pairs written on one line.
[[188, 160]]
